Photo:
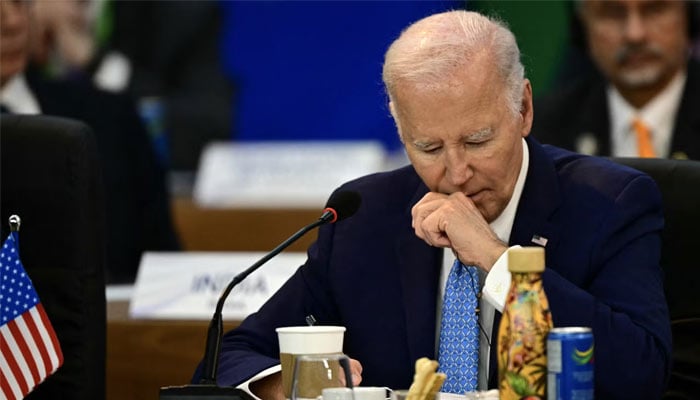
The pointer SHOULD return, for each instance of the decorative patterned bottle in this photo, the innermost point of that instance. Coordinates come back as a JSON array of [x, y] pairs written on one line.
[[522, 334]]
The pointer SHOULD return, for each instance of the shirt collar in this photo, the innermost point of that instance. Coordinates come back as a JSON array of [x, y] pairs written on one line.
[[659, 114], [17, 96], [503, 225]]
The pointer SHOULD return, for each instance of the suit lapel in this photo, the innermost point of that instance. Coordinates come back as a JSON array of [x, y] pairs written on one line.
[[540, 198], [49, 96], [593, 122], [686, 130], [419, 270]]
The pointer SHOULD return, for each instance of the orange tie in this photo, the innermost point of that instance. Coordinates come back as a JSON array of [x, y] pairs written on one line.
[[644, 146]]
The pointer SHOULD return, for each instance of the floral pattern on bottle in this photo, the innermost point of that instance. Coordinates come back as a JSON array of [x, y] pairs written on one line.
[[522, 336]]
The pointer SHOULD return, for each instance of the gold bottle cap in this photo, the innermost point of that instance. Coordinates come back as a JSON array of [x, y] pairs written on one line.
[[526, 259]]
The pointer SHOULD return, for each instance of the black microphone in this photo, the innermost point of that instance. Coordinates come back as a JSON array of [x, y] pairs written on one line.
[[341, 205]]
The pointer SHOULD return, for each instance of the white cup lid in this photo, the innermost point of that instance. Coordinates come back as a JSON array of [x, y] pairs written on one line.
[[311, 339]]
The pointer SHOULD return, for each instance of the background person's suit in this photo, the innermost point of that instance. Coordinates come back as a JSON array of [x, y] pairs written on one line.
[[372, 274], [580, 110], [137, 206]]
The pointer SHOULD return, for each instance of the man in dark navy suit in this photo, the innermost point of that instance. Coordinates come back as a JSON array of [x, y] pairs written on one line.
[[643, 77], [477, 186], [137, 203]]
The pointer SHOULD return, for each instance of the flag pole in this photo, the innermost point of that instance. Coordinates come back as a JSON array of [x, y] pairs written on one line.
[[15, 222]]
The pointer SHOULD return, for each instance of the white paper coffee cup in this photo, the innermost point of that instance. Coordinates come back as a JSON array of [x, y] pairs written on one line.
[[298, 340]]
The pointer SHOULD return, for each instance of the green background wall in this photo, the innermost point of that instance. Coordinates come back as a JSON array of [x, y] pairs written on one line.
[[541, 29]]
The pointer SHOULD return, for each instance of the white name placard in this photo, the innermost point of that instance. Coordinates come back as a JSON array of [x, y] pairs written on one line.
[[187, 285], [281, 174]]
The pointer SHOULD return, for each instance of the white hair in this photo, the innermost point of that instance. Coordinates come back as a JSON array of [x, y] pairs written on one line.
[[432, 50]]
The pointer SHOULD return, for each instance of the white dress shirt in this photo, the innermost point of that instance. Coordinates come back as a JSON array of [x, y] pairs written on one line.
[[658, 115], [17, 97]]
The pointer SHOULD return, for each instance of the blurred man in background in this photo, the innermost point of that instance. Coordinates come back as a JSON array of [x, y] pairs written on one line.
[[165, 54], [643, 98], [137, 205]]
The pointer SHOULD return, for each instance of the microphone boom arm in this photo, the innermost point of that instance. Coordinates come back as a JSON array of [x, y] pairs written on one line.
[[341, 205], [216, 327]]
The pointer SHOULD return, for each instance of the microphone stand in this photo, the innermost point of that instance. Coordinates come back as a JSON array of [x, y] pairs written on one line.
[[207, 387]]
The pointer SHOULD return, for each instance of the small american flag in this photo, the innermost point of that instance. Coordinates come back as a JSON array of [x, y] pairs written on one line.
[[28, 345], [541, 240]]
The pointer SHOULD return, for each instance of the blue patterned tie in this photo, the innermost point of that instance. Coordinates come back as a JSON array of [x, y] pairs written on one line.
[[458, 352]]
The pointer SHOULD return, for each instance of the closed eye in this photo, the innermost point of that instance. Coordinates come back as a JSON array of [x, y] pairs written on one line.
[[428, 148], [479, 138], [472, 143]]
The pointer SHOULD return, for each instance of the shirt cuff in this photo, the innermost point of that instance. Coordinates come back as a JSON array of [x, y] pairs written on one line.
[[497, 281], [245, 386]]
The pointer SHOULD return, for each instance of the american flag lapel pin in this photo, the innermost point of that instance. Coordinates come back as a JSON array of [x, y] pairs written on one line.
[[541, 240]]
